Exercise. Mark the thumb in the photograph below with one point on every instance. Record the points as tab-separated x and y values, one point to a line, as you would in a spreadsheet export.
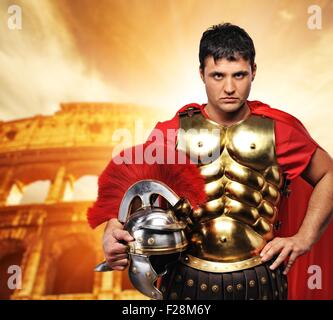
120	234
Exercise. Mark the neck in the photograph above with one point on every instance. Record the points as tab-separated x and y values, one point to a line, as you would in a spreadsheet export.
227	118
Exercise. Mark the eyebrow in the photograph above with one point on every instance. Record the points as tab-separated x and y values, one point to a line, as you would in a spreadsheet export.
218	73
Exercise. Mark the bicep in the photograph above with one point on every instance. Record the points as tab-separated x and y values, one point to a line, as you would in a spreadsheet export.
320	164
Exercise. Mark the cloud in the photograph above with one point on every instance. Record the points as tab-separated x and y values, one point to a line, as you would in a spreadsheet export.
80	50
40	66
286	15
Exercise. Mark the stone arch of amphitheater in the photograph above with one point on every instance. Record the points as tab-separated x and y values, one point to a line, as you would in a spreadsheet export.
50	238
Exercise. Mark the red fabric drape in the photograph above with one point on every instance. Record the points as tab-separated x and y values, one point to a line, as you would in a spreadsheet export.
292	212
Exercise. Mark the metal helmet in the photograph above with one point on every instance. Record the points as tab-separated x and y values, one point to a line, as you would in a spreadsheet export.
159	234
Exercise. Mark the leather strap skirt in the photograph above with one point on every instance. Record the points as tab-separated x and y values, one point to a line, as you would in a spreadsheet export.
258	283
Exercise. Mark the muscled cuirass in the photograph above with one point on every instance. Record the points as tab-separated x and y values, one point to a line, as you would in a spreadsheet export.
243	182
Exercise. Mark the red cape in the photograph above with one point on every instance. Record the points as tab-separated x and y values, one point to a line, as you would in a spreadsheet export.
292	211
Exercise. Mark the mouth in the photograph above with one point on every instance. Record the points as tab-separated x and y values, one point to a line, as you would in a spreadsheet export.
229	99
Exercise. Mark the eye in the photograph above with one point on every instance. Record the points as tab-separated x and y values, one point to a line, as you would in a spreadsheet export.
218	76
239	75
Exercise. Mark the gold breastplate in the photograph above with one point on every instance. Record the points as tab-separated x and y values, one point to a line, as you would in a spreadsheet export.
243	183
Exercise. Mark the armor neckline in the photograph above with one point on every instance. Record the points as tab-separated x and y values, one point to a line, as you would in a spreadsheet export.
206	116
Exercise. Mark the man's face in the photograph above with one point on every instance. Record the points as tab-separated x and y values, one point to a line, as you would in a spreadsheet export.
228	83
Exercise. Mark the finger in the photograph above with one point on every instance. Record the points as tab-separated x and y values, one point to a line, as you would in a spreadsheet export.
115	257
111	226
122	262
274	250
269	245
118	265
119	268
290	262
117	248
282	256
120	234
266	248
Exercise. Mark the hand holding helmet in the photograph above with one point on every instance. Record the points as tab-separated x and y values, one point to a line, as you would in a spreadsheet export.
115	245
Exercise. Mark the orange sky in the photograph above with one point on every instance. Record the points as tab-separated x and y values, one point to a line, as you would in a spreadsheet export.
146	51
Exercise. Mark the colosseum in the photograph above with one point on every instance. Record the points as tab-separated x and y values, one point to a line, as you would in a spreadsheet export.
49	167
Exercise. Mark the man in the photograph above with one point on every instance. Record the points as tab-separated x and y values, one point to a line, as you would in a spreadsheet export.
234	253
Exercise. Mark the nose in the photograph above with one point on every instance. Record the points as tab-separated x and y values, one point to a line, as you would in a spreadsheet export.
229	87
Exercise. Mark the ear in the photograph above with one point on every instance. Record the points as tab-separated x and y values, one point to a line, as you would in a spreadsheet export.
202	76
254	71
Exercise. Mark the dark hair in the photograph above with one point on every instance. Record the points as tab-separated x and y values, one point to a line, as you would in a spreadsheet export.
226	41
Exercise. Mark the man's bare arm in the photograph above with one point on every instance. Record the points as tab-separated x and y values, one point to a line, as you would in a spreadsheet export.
319	213
319	174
